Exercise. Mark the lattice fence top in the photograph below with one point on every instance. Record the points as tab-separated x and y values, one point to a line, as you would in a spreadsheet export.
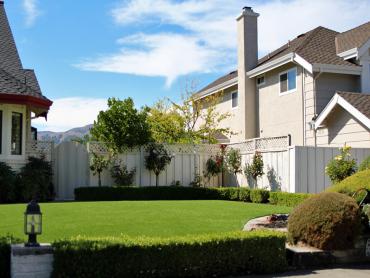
262	144
40	148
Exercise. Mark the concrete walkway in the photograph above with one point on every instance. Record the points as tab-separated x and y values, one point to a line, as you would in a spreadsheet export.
362	271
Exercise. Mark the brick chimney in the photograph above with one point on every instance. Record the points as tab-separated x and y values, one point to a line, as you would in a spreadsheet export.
247	60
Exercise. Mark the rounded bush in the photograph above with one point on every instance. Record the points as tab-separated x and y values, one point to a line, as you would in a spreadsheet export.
329	221
353	183
365	165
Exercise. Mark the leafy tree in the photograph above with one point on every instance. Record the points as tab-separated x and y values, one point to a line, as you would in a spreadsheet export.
255	169
166	124
121	126
121	175
234	161
157	160
97	165
213	167
342	166
7	182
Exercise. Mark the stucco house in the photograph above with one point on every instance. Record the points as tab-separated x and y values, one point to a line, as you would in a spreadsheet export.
315	88
21	101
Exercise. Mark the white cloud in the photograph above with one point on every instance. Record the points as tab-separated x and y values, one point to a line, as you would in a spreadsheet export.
67	113
205	39
32	11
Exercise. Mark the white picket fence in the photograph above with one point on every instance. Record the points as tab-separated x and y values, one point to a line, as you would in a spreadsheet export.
291	169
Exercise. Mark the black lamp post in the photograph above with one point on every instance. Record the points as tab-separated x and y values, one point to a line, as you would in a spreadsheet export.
32	223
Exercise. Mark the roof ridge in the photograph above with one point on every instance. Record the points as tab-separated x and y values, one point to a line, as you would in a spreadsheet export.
350	30
308	38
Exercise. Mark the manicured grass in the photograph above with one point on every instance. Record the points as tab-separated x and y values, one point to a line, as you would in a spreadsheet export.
136	218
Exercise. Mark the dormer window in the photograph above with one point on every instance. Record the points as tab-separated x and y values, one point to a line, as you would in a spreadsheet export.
288	81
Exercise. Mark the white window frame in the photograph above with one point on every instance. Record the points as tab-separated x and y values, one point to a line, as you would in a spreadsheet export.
296	82
264	80
234	92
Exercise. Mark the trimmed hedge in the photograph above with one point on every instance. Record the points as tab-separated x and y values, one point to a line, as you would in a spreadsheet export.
353	183
235	253
5	242
161	193
260	196
328	220
288	199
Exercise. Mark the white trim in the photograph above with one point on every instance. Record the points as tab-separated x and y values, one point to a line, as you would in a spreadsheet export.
296	82
300	61
271	65
222	86
349	54
337	99
353	70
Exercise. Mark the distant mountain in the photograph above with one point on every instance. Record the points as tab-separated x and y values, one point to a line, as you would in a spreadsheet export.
58	137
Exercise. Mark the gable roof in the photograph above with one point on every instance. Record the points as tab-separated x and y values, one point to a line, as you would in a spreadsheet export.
14	80
357	104
354	38
228	78
316	46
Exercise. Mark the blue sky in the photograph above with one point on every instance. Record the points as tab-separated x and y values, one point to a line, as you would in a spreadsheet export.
86	51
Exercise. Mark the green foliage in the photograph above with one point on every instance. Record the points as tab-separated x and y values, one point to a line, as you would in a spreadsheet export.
342	166
157	159
287	199
352	184
35	181
162	193
213	167
121	126
197	181
121	175
365	165
259	196
255	169
97	165
224	254
329	221
5	242
7	183
234	161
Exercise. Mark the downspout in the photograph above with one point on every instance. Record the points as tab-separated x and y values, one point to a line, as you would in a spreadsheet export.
304	107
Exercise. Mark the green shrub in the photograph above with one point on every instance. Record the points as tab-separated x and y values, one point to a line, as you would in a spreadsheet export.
342	166
5	242
121	175
287	199
365	165
255	169
7	183
329	221
233	161
161	193
259	196
353	183
157	159
233	253
35	180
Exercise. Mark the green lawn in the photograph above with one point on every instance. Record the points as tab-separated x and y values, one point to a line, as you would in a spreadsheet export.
149	218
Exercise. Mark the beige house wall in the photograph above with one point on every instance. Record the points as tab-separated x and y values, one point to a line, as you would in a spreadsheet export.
342	128
280	115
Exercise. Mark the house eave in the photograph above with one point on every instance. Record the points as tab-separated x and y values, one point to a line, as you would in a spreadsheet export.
349	54
213	90
328	68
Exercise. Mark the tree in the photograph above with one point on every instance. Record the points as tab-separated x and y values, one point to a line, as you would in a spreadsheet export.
121	126
97	164
234	161
157	160
255	169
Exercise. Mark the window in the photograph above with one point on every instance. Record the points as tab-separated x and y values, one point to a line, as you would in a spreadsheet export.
16	140
288	81
260	80
1	131
234	100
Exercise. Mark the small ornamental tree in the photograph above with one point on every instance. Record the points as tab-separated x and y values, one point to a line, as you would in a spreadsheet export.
121	175
157	159
97	165
342	166
255	169
213	167
234	161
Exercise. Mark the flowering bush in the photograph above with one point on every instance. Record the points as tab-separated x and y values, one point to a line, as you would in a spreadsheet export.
342	166
255	169
234	161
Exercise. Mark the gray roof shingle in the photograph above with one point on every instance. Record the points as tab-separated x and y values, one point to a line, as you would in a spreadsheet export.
353	38
14	80
360	101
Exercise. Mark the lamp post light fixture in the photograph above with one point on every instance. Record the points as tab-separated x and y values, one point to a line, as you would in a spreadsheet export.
32	223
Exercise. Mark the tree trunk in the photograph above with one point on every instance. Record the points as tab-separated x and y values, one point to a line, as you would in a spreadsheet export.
99	176
156	180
